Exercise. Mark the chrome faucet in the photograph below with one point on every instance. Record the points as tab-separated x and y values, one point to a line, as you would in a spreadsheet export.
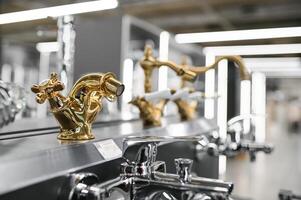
239	141
12	101
288	195
235	143
146	178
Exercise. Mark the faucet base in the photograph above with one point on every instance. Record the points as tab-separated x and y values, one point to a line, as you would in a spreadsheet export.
187	111
71	135
148	124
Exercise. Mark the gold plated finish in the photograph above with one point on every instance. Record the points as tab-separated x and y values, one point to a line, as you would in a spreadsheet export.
149	63
76	112
188	110
150	113
244	74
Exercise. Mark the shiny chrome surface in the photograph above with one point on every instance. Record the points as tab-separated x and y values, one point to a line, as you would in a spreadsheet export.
144	177
235	143
12	101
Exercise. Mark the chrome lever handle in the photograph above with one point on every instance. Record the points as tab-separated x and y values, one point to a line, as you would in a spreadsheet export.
183	168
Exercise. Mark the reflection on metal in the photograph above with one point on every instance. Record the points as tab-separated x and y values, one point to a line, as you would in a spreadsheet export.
151	113
66	41
146	178
12	101
149	63
76	112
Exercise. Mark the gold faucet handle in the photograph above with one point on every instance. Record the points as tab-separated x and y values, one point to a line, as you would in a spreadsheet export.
47	87
180	94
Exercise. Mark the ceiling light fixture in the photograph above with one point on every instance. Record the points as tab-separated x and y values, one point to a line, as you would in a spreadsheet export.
253	34
47	47
269	49
57	11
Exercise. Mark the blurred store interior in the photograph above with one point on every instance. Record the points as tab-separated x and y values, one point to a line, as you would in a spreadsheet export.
246	111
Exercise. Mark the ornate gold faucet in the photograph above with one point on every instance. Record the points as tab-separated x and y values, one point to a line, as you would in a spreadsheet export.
76	112
149	62
188	110
151	113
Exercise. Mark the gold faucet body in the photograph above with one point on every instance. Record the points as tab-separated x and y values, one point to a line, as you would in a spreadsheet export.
150	113
76	112
186	110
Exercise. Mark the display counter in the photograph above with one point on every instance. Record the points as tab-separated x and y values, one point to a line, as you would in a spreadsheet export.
34	163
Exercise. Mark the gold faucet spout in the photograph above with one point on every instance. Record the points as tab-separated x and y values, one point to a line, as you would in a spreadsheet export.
243	71
76	112
188	110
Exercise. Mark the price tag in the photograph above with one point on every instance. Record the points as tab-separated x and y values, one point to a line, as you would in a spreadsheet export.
108	149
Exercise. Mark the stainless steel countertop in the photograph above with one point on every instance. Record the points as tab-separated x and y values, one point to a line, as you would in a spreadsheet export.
28	160
33	126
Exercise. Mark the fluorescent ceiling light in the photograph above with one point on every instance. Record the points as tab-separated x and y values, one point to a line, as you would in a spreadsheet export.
291	63
269	49
57	11
46	47
253	34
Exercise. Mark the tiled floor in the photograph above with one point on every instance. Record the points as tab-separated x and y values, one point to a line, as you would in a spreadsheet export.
262	179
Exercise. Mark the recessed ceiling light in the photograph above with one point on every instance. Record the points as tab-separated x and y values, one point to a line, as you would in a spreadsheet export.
236	35
57	11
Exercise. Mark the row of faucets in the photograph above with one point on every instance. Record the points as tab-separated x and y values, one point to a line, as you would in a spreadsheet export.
143	177
76	112
151	113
